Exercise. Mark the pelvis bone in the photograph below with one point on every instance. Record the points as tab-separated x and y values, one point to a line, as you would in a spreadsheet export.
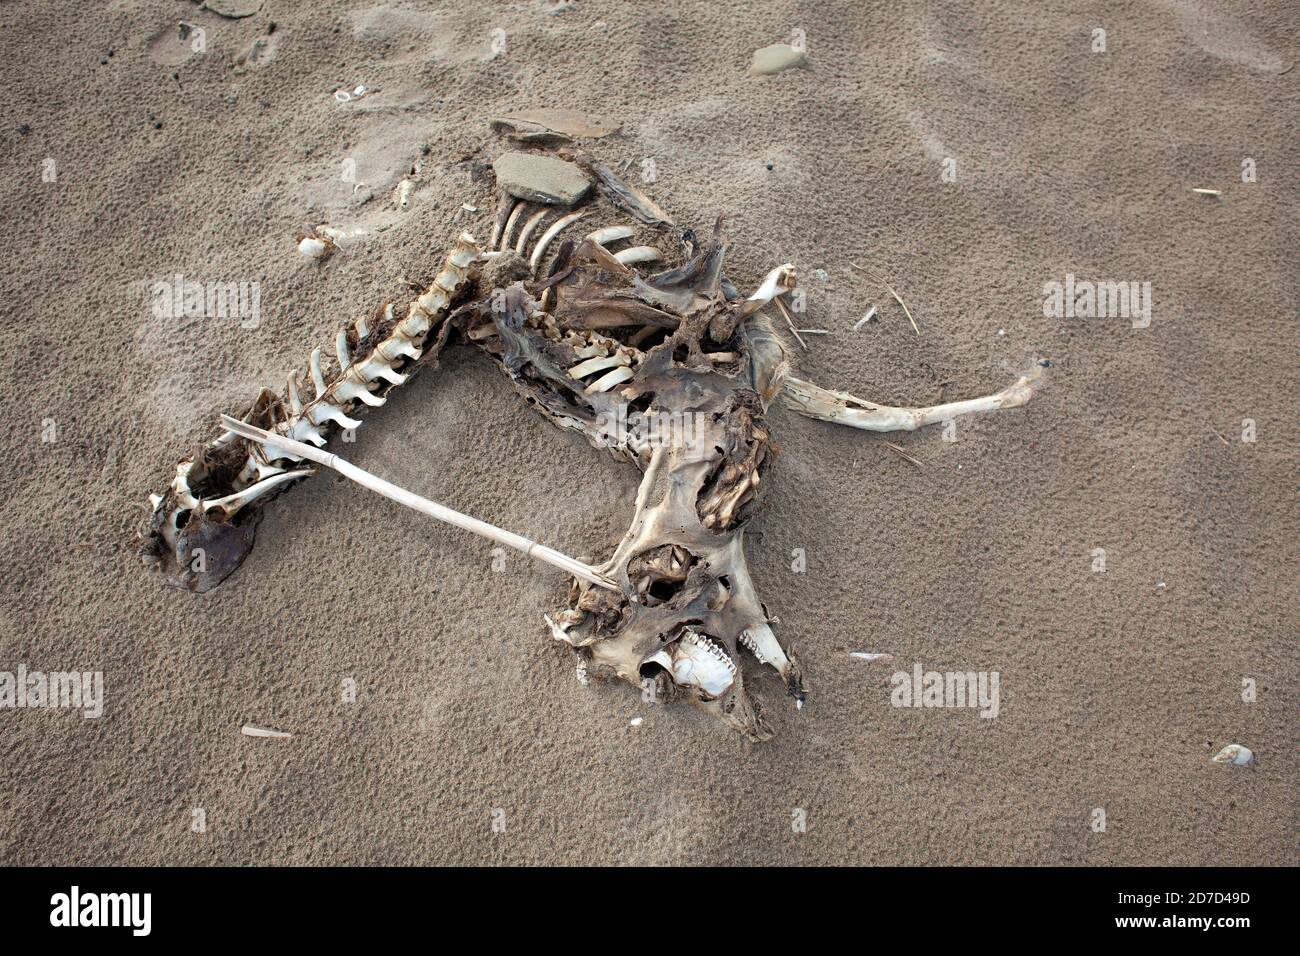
672	371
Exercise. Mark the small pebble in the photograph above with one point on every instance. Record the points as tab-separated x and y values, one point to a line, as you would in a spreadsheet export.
636	721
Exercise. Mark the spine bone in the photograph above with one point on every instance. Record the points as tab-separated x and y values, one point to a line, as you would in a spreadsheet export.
355	382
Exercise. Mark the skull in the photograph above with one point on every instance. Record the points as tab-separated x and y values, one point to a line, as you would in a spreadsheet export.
689	410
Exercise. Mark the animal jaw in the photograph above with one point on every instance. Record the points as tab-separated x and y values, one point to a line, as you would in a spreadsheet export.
672	371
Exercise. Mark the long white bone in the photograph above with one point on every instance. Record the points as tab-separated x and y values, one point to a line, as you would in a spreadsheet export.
232	503
522	242
278	446
556	228
845	409
510	225
497	228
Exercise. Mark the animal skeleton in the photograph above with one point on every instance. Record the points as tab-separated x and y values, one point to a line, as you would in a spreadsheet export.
672	371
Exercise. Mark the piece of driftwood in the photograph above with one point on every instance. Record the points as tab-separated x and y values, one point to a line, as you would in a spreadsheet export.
673	371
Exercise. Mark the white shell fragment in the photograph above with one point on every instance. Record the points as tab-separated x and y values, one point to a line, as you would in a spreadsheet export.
1236	755
635	721
248	730
312	248
867	656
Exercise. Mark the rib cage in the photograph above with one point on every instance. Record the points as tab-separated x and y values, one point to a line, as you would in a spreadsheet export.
206	508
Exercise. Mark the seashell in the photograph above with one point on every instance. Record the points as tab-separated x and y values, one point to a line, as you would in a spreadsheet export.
867	656
1235	754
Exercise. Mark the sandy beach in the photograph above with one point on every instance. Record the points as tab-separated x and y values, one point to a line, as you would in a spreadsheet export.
1121	551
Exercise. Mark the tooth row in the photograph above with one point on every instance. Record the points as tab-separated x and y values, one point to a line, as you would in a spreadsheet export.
705	642
356	382
747	642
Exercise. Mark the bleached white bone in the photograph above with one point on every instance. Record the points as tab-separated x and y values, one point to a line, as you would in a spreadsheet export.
609	380
379	367
403	497
555	229
322	412
845	409
528	228
637	254
317	378
610	234
583	369
699	662
777	282
510	225
496	228
331	402
232	503
295	400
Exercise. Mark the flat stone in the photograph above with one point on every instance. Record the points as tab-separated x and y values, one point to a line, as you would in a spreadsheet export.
541	178
775	58
551	125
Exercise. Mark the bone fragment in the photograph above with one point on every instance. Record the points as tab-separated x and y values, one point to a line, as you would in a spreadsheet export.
248	730
555	229
610	234
279	446
844	409
638	254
